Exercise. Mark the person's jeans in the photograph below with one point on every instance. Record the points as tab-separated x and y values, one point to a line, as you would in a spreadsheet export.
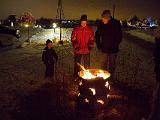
78	59
109	63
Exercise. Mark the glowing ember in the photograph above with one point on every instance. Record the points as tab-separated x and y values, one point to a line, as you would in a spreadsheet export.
86	100
100	101
93	90
80	83
107	85
108	96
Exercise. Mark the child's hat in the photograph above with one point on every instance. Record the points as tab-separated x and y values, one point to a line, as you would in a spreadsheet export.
83	17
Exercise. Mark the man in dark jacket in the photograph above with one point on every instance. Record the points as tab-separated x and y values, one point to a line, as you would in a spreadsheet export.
157	52
49	57
82	41
155	107
108	37
157	59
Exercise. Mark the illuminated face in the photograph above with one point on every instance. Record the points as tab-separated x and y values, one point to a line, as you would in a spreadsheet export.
105	20
84	23
49	45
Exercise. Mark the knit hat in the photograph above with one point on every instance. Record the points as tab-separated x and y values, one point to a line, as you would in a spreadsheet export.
48	41
106	13
83	18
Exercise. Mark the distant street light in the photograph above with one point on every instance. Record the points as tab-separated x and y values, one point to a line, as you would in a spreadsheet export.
12	24
54	26
27	26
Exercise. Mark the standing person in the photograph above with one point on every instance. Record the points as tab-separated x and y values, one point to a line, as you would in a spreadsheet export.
155	105
157	52
49	57
155	108
82	39
108	37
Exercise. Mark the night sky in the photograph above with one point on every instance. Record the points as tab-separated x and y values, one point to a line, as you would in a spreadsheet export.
125	9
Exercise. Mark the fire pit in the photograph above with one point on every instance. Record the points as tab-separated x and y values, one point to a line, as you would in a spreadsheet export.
93	88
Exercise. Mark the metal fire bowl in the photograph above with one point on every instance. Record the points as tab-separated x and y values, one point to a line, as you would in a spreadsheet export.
97	83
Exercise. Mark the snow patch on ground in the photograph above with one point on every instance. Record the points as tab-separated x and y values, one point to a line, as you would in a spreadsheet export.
22	70
142	35
41	37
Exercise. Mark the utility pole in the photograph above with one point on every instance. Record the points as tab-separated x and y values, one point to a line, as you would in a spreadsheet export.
60	16
114	9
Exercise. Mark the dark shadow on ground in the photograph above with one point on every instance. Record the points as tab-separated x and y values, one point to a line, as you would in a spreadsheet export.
39	105
46	104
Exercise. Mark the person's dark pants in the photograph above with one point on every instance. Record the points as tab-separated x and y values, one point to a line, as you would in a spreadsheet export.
109	63
78	59
155	105
157	71
157	58
49	70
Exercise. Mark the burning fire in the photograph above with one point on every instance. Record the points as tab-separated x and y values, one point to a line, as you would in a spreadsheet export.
90	80
88	74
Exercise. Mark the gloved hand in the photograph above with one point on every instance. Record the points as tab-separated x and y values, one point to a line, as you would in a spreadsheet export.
89	48
99	47
90	45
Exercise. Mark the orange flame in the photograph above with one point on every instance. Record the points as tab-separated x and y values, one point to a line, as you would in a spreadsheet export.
87	74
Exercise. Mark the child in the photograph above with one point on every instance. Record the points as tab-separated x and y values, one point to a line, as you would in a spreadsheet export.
49	57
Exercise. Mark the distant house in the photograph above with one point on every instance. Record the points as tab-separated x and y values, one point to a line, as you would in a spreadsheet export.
10	20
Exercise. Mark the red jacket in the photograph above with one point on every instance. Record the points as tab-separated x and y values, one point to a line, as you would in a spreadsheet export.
82	39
